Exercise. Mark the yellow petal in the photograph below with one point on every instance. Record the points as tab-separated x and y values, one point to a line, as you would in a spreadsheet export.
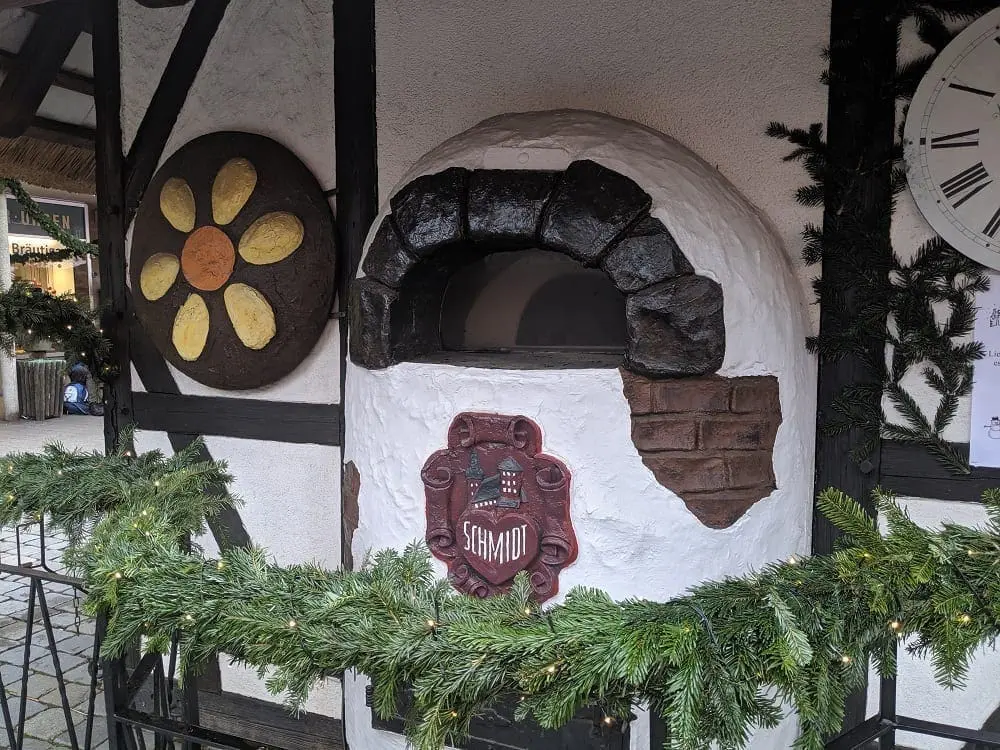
158	275
177	204
232	188
251	314
191	328
271	238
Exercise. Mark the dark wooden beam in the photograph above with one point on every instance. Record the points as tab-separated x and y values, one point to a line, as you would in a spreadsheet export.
247	418
14	4
227	527
171	93
268	723
356	157
51	7
62	133
65	79
910	470
110	214
860	132
39	61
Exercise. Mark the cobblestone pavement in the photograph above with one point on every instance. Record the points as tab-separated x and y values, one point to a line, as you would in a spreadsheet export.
45	724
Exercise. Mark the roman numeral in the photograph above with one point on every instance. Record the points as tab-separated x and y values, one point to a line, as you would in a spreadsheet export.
994	225
966	183
971	90
956	140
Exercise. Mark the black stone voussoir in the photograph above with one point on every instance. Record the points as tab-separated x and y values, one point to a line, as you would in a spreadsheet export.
590	209
388	260
430	211
676	328
507	205
371	330
647	255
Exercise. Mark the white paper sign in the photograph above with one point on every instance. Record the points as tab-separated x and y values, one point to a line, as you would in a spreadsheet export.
984	437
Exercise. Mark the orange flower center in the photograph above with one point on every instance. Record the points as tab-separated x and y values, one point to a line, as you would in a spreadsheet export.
208	258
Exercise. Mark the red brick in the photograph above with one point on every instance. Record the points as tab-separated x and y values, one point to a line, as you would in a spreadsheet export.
659	433
730	432
747	470
719	510
757	395
687	472
637	392
691	394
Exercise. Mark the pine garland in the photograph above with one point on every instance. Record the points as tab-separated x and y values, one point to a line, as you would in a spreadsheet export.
897	302
717	662
27	312
72	247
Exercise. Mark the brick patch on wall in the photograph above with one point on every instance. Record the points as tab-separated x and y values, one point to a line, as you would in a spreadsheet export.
708	439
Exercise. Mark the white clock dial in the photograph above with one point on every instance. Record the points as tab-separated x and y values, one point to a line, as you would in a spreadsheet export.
952	142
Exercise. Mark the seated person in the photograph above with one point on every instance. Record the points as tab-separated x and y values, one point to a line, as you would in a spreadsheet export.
75	396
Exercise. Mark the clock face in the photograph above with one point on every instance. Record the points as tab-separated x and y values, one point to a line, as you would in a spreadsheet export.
952	142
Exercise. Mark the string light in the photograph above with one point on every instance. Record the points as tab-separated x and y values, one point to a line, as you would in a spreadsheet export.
292	624
792	560
895	625
527	611
454	714
10	498
220	565
69	328
551	669
845	659
117	575
965	619
189	618
431	624
609	720
59	472
156	483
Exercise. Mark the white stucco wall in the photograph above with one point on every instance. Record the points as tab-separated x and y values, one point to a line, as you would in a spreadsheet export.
711	73
279	84
636	538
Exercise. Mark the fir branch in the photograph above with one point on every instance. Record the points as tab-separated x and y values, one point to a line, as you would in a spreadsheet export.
717	662
28	313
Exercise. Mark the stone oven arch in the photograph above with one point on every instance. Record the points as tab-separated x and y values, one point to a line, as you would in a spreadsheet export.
440	223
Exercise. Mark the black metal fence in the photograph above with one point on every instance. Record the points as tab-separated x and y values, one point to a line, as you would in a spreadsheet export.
54	655
880	730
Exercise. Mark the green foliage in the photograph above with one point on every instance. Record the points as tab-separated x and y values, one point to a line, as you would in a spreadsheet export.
27	312
73	247
717	662
898	301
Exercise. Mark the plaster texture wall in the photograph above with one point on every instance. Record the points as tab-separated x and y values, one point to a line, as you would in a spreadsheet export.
636	538
711	73
279	84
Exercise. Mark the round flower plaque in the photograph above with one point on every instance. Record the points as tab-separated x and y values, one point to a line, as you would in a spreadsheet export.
233	261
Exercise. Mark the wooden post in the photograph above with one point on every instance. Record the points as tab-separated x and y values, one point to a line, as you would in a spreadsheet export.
111	224
8	364
357	181
860	134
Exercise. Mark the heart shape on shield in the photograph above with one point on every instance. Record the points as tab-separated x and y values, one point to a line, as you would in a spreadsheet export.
498	544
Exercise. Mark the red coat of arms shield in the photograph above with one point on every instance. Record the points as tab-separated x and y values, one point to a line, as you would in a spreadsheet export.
496	505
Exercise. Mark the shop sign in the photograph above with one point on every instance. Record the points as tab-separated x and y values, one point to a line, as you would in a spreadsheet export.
70	217
496	506
984	437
